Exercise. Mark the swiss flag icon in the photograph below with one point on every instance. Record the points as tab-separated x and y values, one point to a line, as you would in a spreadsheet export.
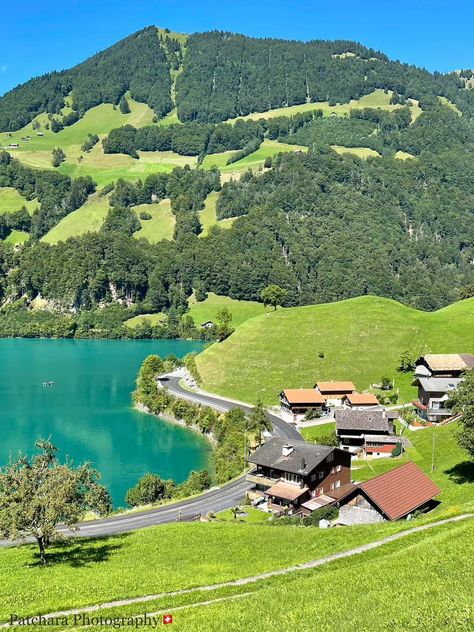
168	618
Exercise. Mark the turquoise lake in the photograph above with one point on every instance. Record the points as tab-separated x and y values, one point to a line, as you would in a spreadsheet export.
88	412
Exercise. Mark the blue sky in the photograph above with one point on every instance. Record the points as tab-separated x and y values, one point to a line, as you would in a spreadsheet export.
38	37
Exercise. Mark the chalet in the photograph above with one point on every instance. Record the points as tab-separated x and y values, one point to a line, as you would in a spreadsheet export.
366	432
13	146
334	392
444	364
291	475
359	401
209	324
298	401
433	395
39	134
390	496
437	375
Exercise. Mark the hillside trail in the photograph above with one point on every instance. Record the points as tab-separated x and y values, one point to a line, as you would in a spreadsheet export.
258	577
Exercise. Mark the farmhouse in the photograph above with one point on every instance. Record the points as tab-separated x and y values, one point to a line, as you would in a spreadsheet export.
299	400
209	324
334	392
444	364
366	432
390	496
292	475
437	375
360	401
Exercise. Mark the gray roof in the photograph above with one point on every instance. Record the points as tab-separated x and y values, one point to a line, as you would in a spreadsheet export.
382	438
438	384
363	420
270	455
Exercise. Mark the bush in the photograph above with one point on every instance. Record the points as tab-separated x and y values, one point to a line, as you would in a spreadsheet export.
58	157
144	215
149	489
325	513
397	450
312	413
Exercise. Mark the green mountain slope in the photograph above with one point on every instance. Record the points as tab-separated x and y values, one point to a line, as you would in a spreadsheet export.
360	339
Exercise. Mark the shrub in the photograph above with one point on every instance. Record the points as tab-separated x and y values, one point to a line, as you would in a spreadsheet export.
325	513
144	215
397	450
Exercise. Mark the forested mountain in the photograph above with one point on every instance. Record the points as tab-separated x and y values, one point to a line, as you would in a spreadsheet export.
323	226
223	75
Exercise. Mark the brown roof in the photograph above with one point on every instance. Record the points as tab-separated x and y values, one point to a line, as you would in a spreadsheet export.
448	361
336	387
342	491
362	399
401	490
287	491
303	396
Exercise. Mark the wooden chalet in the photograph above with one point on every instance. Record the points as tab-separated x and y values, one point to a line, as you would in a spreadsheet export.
290	475
299	400
366	432
444	364
391	496
335	392
359	401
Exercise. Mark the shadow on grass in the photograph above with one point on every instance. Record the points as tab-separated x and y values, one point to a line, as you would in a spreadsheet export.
81	553
462	472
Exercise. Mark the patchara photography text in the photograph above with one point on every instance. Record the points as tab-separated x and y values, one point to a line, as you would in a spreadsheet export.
84	619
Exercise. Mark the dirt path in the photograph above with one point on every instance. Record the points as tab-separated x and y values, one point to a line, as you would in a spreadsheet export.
261	576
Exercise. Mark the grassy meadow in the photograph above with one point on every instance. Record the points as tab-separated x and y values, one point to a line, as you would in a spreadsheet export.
86	219
11	201
361	339
376	99
208	217
241	310
360	152
160	226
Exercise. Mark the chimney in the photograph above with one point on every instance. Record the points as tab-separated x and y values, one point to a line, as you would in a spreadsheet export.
287	449
303	464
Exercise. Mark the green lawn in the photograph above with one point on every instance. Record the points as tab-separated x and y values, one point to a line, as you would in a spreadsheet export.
253	515
423	582
403	155
240	310
361	339
161	558
208	217
11	201
377	99
314	433
360	152
87	218
162	222
450	105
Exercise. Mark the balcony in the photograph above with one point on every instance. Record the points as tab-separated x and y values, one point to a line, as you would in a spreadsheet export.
259	479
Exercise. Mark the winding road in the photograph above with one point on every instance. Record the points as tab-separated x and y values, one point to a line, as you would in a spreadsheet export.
213	500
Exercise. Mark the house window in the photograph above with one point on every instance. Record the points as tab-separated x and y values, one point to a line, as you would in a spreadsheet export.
313	477
338	468
293	478
321	476
337	484
331	486
330	457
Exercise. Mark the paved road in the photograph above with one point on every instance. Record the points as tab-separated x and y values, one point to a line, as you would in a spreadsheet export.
214	500
280	427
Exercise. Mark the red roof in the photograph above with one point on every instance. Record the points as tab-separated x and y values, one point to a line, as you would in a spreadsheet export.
336	387
303	396
401	490
362	399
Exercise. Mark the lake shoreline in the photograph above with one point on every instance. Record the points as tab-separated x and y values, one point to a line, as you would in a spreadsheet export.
173	420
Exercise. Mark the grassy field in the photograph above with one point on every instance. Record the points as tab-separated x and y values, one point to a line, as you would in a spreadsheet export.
208	217
17	237
403	155
360	152
267	149
377	99
11	201
361	339
314	433
451	105
240	310
87	218
161	224
155	319
252	515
